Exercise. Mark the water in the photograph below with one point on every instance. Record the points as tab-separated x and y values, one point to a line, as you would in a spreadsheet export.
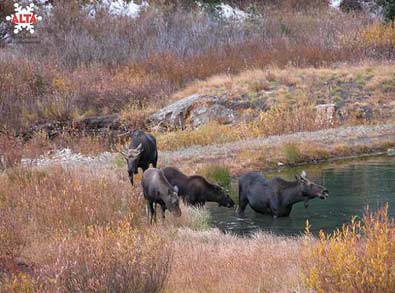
353	185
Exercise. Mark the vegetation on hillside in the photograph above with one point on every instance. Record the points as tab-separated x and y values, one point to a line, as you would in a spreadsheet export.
89	66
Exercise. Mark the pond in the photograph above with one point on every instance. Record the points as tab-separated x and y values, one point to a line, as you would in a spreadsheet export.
353	185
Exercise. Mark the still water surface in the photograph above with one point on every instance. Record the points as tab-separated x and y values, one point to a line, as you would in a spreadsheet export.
353	185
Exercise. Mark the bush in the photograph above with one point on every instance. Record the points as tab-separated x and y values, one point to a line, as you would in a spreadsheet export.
218	174
45	201
292	153
356	258
122	259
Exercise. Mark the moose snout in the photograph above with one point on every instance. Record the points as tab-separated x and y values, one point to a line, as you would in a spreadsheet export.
324	194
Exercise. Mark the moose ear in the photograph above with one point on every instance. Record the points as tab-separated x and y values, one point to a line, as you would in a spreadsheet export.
175	188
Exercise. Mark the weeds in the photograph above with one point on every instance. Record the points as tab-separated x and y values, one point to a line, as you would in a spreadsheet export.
292	153
218	174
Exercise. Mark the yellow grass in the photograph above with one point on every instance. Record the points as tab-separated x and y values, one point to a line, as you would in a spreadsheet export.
211	261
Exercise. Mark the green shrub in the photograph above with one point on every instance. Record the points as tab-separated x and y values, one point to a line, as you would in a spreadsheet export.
292	153
218	174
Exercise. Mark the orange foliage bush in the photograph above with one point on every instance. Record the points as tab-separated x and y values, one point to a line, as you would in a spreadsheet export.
359	257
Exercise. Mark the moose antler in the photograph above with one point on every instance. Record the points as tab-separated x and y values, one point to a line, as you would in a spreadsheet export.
123	152
133	153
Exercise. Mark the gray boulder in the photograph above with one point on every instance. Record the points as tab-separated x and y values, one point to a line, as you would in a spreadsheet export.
174	115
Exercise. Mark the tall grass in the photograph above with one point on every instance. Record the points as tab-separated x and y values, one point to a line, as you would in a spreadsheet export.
75	231
227	263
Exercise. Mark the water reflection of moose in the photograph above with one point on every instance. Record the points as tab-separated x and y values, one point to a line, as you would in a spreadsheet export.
164	186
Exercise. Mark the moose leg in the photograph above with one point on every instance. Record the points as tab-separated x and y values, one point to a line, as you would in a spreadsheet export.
163	209
243	202
155	160
150	211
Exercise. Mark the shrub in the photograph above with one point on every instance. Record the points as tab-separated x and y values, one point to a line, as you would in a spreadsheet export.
292	153
120	259
51	200
356	258
218	174
379	37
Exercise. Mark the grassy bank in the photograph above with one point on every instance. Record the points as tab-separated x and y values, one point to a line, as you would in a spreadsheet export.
73	230
362	94
267	153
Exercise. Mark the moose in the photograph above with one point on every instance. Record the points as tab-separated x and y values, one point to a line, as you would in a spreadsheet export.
141	152
277	196
196	190
157	190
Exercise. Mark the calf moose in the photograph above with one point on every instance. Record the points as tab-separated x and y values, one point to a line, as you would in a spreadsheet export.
196	190
157	190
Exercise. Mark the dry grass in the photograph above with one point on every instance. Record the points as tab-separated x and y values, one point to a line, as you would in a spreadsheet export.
211	261
77	231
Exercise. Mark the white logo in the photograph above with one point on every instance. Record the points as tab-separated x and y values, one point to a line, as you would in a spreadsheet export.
24	18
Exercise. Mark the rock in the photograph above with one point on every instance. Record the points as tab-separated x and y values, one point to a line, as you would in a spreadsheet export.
174	115
391	152
194	111
325	114
204	114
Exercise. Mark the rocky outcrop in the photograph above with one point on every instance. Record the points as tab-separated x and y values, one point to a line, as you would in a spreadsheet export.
174	115
204	114
195	111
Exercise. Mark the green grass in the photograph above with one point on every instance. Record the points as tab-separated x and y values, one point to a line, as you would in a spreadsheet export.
218	174
292	153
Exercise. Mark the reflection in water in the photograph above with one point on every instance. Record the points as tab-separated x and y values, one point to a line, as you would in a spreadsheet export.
353	185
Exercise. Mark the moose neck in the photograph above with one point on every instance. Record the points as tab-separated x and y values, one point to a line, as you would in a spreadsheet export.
292	194
212	197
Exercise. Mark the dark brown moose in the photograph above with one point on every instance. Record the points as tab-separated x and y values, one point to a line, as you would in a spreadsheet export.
157	190
141	152
277	196
196	190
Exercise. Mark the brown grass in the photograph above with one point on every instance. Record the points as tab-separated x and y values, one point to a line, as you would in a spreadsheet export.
77	230
214	262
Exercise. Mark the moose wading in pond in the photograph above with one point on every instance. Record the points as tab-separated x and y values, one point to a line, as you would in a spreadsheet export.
157	190
141	152
277	196
196	190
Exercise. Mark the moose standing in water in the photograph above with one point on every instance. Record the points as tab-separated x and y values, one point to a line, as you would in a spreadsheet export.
157	190
196	190
277	196
141	152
